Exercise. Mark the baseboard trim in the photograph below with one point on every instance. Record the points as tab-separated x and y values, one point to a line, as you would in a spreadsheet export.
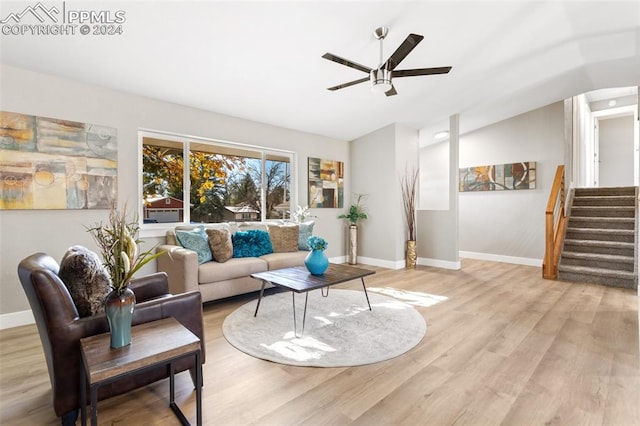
16	319
389	264
438	263
526	261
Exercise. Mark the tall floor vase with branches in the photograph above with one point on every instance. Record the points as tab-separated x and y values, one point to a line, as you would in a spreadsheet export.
409	186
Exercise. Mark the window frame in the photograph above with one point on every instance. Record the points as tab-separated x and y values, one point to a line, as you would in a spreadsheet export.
159	229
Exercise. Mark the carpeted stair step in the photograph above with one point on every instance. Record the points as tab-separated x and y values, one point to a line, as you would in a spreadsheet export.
599	247
602	222
594	260
613	191
602	211
597	276
613	200
621	235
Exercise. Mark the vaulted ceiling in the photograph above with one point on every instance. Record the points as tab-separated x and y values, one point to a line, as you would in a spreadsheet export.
262	60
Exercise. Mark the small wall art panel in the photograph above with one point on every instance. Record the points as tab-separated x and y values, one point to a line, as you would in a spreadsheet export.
326	183
498	177
47	163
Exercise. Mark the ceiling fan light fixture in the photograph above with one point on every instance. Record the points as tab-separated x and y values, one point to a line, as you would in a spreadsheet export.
380	80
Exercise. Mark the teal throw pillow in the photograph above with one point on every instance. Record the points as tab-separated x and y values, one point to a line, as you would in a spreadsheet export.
251	243
197	241
305	231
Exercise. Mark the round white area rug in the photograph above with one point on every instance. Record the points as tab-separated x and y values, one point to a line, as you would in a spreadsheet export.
340	331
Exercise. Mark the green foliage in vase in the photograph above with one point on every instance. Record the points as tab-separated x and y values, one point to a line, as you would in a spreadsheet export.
356	211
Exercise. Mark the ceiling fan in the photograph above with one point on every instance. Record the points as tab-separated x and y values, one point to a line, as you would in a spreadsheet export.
381	77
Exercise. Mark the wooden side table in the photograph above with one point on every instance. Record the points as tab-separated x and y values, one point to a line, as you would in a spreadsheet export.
154	343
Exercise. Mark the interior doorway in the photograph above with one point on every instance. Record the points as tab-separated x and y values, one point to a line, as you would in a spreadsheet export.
606	141
615	146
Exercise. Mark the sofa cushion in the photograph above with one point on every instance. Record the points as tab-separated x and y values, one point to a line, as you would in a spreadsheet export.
196	240
87	280
213	272
305	231
220	244
251	243
284	260
284	238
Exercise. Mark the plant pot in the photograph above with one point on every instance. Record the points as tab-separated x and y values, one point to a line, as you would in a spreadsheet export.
118	307
353	244
316	262
411	255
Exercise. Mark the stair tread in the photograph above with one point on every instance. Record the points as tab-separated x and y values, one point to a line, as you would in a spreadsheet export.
609	196
596	256
596	271
602	218
598	243
603	230
603	207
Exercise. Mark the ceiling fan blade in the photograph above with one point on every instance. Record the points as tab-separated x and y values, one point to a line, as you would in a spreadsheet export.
403	50
346	62
421	71
351	83
391	91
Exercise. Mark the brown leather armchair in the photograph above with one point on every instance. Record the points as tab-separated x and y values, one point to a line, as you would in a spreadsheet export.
61	329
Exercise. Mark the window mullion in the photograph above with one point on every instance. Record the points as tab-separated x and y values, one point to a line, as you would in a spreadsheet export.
186	176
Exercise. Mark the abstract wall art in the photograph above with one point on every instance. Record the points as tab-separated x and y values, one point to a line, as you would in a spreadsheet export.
326	183
498	177
48	163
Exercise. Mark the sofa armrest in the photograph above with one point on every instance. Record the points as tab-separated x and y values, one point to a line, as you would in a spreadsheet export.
181	266
150	286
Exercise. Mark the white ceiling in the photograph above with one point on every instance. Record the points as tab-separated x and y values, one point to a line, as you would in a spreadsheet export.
262	60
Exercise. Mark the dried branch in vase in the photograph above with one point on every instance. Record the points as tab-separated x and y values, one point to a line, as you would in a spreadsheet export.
409	187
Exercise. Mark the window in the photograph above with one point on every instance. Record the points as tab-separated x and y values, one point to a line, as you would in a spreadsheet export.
220	182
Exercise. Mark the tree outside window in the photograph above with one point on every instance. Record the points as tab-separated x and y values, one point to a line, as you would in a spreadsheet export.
226	183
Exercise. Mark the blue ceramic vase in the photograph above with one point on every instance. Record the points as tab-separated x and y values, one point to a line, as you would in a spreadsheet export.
119	309
316	262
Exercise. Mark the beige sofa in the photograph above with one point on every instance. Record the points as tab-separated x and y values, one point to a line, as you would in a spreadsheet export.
217	280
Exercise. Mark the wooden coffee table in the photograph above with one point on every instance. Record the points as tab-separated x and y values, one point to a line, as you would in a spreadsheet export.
299	280
153	343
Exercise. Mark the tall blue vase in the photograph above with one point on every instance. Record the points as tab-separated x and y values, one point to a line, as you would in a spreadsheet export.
316	262
119	309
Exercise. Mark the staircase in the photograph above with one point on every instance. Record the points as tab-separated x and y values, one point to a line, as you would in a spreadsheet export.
601	240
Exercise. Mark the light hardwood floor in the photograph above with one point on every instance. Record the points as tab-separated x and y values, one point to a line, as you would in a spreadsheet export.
503	346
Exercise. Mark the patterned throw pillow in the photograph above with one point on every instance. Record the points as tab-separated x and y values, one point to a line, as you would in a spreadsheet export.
284	238
306	230
86	279
251	243
220	244
196	240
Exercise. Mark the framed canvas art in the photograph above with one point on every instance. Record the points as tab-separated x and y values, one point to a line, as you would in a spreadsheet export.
48	163
498	177
326	183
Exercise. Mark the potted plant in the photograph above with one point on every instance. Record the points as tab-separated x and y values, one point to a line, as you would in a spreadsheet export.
409	186
356	212
118	242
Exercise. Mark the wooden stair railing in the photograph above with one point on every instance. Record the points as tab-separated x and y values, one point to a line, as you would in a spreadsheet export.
555	224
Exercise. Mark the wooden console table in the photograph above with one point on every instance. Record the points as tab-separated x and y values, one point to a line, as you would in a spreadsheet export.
154	343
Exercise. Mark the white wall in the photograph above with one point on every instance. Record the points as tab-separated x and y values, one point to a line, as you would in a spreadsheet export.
53	231
510	224
438	229
378	161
